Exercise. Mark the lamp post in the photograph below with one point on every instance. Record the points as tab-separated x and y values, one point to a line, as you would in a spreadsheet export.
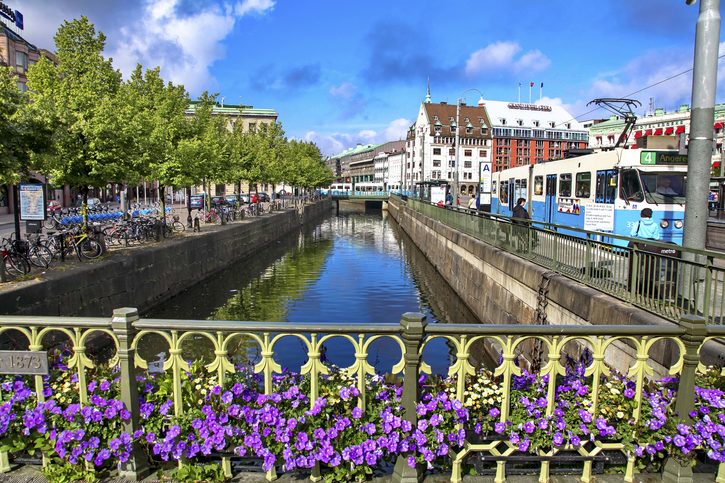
457	142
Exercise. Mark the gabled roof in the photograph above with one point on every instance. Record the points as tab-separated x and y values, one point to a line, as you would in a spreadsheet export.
444	114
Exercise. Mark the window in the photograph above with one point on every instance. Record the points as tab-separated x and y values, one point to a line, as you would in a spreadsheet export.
606	186
437	129
436	163
482	153
452	152
468	153
467	164
502	121
503	195
252	126
484	131
469	130
436	150
22	87
583	185
493	186
21	62
538	185
630	188
451	163
565	185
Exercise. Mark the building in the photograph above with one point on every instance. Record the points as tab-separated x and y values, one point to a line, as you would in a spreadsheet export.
249	116
395	163
525	134
357	161
382	165
431	149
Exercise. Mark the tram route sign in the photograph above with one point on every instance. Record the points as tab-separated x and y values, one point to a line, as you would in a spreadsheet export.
24	362
662	157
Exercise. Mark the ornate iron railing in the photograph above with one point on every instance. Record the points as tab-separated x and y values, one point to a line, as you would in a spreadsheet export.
126	330
666	279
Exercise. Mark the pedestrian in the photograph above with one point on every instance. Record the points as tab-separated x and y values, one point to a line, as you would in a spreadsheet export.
645	227
520	211
449	198
472	203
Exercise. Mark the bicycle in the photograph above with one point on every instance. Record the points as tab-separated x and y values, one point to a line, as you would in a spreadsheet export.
14	263
84	245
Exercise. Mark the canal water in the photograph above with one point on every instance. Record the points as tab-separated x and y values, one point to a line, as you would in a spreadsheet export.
353	268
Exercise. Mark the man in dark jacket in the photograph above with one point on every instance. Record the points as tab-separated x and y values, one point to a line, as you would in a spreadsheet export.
520	217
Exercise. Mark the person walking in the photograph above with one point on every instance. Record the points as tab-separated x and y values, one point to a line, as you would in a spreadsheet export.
521	218
472	203
645	227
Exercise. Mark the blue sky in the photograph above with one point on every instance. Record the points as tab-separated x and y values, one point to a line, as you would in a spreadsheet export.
341	72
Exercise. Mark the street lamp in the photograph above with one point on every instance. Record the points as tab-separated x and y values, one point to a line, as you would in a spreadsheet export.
457	141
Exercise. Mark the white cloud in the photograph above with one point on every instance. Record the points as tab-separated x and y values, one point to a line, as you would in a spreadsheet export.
185	46
334	143
345	90
504	57
254	6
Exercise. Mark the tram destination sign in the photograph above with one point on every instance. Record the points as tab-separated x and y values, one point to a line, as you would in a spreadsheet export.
662	157
24	362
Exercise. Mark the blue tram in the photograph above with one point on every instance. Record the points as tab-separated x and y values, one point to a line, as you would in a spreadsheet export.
602	192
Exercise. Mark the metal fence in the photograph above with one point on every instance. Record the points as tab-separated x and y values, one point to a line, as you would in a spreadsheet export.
666	279
126	330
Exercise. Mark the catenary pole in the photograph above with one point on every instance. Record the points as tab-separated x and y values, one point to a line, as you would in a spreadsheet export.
702	116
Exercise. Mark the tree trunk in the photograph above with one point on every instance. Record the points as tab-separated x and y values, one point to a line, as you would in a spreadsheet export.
84	207
162	195
188	206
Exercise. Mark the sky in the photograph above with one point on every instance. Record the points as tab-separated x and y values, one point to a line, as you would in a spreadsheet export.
342	72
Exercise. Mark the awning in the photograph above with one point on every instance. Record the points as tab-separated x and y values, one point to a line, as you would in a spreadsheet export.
648	132
637	134
680	129
669	130
658	131
718	125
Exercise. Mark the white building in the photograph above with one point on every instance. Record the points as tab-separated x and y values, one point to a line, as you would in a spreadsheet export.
431	150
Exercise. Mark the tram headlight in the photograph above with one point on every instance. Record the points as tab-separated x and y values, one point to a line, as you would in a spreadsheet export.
678	224
664	223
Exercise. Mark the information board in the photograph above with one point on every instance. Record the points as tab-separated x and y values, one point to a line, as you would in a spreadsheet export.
24	362
485	177
599	217
437	194
32	201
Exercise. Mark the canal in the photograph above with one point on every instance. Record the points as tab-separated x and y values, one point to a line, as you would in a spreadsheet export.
356	267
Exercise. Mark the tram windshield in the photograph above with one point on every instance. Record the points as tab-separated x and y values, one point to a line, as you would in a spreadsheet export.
664	187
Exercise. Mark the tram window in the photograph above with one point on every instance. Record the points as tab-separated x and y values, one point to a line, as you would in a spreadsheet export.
606	186
565	185
630	188
503	195
538	185
493	186
583	185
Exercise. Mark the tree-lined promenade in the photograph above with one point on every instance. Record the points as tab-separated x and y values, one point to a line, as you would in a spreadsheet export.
82	125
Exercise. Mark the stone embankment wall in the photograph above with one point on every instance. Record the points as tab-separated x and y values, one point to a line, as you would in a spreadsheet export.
501	288
148	275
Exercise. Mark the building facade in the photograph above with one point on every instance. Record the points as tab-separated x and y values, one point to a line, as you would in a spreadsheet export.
431	145
382	169
525	134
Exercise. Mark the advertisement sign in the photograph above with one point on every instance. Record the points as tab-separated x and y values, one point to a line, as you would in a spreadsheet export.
32	201
599	217
12	15
484	199
437	194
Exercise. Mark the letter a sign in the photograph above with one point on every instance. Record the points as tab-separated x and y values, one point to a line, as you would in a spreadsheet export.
485	177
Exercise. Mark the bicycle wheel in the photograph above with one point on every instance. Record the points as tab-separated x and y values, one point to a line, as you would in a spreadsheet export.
40	256
15	265
178	226
90	249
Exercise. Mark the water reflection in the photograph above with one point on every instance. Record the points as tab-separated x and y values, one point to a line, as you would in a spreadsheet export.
350	269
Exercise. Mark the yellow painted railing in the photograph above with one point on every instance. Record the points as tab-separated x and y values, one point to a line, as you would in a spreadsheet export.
126	331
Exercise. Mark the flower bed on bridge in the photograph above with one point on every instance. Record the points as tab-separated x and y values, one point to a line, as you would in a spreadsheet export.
347	438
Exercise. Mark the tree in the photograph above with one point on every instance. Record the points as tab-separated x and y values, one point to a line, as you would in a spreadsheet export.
21	135
269	147
92	140
307	165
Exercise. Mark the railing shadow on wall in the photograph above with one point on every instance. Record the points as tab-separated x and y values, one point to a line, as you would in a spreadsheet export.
570	407
666	279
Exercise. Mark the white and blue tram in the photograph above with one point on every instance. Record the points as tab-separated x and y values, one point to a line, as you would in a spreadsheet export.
602	191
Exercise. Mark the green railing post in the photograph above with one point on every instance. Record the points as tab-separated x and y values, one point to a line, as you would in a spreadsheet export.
695	333
136	468
412	327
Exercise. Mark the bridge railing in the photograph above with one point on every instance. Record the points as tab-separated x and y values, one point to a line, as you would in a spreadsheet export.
504	385
663	278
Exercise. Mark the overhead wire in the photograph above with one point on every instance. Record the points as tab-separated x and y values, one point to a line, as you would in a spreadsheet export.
638	91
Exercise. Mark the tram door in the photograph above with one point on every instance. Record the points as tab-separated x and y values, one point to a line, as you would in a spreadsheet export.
512	194
550	204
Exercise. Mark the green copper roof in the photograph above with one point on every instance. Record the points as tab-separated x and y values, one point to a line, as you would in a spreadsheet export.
236	109
360	148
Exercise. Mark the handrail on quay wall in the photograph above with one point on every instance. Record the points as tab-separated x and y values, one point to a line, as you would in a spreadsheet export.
127	330
645	273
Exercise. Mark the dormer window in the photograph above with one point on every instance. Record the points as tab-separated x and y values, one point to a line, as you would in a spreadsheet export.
502	121
520	122
536	123
568	125
551	124
435	118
